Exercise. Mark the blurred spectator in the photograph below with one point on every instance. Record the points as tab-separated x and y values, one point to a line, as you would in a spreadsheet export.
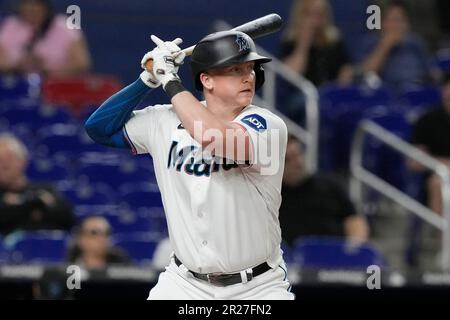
432	134
36	40
395	54
52	285
315	205
312	45
25	205
93	248
443	13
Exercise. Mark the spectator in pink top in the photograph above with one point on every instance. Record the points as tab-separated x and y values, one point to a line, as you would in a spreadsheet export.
36	40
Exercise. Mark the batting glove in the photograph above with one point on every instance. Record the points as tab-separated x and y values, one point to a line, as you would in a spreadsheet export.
149	79
167	58
147	76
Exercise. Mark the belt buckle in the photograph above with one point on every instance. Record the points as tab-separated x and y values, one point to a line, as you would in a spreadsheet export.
218	279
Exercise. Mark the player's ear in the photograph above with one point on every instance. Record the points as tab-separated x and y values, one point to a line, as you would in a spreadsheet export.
206	80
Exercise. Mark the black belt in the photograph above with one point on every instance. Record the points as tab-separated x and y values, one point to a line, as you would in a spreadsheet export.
227	279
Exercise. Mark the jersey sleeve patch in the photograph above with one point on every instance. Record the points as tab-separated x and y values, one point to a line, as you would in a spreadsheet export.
255	121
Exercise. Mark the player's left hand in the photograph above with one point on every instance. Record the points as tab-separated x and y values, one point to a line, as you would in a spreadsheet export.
167	58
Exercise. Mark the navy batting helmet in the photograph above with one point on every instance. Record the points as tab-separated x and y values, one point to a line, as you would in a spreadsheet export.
223	49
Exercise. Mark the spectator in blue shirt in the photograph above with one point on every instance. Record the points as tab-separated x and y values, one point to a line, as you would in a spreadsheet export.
398	56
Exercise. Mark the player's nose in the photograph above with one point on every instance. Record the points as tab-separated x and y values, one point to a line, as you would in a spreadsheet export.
249	76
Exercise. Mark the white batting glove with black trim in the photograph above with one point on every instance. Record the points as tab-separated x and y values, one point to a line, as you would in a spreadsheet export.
147	76
149	79
167	58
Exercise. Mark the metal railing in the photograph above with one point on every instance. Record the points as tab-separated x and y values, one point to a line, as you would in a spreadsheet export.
360	176
308	135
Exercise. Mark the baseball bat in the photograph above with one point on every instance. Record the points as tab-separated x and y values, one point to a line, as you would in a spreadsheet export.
256	28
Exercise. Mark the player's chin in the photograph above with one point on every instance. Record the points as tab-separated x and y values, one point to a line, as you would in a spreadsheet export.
245	98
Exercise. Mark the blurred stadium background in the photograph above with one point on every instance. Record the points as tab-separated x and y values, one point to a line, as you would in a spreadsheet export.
48	114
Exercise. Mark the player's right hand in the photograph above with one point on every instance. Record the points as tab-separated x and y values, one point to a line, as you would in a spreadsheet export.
149	79
147	75
169	48
167	57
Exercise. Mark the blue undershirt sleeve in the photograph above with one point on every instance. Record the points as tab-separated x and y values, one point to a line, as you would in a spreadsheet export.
105	125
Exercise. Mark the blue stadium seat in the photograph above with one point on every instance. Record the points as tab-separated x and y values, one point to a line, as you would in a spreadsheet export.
139	246
13	115
415	101
443	59
60	139
123	219
39	247
53	115
384	161
131	222
113	169
420	96
89	194
138	195
157	218
14	87
335	99
341	109
101	209
334	254
109	174
3	252
287	252
45	169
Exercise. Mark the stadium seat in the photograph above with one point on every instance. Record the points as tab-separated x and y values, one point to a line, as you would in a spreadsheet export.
89	194
287	252
113	169
109	174
415	101
52	115
341	109
3	252
140	195
334	254
421	96
126	222
123	219
443	59
79	92
381	159
13	115
335	99
45	169
60	139
13	87
39	247
139	246
157	217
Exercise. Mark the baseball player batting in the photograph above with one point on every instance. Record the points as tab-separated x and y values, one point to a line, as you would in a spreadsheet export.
220	199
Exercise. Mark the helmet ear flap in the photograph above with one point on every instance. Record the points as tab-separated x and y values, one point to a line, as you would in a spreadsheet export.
259	75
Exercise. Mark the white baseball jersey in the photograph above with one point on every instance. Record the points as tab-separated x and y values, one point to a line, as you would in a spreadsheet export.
221	217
